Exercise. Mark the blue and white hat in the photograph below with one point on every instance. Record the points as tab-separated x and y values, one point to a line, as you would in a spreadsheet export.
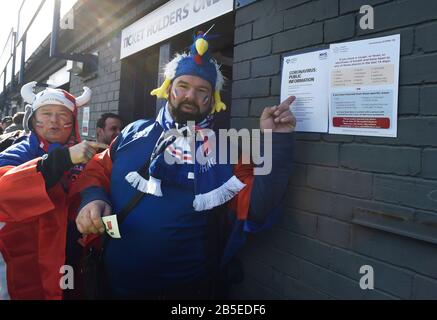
196	63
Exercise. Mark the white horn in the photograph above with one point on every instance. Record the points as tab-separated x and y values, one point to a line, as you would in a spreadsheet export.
27	92
84	98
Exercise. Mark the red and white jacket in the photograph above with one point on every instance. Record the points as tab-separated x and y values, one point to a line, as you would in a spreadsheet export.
33	226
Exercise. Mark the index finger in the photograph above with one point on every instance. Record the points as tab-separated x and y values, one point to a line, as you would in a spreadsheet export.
97	145
284	106
286	103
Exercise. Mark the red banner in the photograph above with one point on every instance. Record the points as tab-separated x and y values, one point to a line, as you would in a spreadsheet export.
349	122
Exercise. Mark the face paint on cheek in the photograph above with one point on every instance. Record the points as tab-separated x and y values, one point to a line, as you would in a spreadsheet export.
39	124
175	93
68	125
205	100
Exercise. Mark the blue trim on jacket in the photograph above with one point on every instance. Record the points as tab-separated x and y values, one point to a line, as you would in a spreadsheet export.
24	149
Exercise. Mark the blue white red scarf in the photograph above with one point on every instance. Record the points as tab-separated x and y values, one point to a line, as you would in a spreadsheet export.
214	183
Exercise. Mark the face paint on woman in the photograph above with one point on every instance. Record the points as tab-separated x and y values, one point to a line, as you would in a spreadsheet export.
38	123
68	125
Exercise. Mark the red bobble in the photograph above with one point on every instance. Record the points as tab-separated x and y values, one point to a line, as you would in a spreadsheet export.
198	59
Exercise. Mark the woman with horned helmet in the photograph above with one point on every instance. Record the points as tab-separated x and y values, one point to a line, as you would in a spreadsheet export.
35	175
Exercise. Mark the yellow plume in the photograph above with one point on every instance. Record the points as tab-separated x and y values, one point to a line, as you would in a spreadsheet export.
161	92
219	105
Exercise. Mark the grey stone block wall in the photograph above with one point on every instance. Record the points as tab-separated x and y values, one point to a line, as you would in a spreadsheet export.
105	85
352	200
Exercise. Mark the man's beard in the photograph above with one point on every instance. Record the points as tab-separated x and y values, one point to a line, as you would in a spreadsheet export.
183	117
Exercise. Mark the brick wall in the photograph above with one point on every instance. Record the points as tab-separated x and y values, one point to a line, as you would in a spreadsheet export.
105	86
353	200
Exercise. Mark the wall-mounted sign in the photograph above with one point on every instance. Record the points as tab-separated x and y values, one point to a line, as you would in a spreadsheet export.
357	82
86	121
174	17
363	90
305	76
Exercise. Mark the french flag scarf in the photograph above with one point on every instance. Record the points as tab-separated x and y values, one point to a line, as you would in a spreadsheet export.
173	161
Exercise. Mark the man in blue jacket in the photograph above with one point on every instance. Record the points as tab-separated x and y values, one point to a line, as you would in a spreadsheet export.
177	240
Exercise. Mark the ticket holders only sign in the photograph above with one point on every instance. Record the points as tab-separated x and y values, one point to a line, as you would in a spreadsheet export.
172	18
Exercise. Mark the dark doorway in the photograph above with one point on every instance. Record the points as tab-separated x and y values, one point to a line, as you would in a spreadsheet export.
139	74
